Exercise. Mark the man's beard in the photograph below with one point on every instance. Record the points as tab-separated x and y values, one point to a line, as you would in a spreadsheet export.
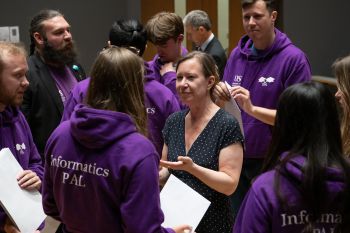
64	56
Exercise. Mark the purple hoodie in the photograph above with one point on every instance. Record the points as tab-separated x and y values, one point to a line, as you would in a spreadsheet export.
160	103
16	135
169	78
101	175
265	75
269	216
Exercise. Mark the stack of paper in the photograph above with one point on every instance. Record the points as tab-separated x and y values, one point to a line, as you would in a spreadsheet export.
23	207
232	108
181	204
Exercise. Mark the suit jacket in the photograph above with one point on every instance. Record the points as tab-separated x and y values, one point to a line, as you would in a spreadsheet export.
42	104
215	49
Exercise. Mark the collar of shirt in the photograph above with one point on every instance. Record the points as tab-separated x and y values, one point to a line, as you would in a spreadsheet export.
205	44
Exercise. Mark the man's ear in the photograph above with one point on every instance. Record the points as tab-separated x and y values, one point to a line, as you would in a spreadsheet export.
39	39
274	16
201	29
180	38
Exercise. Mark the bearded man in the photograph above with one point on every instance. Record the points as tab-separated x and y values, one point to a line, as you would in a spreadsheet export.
52	74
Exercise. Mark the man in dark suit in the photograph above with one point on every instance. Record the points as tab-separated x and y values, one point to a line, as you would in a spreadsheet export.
198	30
52	74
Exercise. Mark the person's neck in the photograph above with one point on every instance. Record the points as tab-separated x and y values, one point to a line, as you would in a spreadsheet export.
197	112
266	43
179	56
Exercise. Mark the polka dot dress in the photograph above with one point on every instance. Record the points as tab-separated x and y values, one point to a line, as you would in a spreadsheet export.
222	130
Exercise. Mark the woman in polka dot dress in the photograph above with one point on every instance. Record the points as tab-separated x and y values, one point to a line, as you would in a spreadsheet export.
203	144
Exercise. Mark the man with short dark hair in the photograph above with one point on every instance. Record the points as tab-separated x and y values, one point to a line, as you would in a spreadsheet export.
52	74
198	30
259	69
14	130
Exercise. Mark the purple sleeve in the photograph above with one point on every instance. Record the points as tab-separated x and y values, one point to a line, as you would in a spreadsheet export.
249	221
76	96
173	105
49	203
169	80
71	102
300	72
35	163
142	202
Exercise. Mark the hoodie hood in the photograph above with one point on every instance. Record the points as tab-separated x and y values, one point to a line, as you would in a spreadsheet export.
8	118
149	73
334	177
95	128
9	115
281	41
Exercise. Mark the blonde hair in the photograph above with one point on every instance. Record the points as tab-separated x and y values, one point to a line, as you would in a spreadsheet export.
341	68
7	48
117	84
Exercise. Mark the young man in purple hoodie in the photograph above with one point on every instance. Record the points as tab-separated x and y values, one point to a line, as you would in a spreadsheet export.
160	102
305	186
14	131
101	172
263	64
166	31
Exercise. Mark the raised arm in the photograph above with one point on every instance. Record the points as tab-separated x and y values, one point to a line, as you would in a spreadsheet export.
225	180
242	96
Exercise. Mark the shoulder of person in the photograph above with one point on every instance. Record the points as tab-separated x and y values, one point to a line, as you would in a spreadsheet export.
173	118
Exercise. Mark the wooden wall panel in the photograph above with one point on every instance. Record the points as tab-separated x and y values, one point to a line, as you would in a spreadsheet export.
236	30
148	9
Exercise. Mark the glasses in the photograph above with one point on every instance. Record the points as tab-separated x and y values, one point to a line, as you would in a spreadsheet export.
130	48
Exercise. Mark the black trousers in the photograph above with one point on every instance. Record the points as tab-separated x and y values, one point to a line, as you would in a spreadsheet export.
251	168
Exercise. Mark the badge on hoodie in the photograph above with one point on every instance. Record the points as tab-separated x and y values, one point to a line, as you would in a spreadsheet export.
266	81
21	148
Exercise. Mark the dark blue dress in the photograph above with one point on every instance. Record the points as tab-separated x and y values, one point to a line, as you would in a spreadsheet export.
221	131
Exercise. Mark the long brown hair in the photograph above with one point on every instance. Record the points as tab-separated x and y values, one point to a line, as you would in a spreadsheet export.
117	84
341	69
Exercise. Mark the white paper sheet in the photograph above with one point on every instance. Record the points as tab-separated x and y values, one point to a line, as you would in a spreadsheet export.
22	206
232	108
181	204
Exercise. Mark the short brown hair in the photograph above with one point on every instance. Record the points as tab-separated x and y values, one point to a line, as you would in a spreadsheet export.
164	26
270	4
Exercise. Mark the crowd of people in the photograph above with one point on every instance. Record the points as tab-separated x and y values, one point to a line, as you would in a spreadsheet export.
99	147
